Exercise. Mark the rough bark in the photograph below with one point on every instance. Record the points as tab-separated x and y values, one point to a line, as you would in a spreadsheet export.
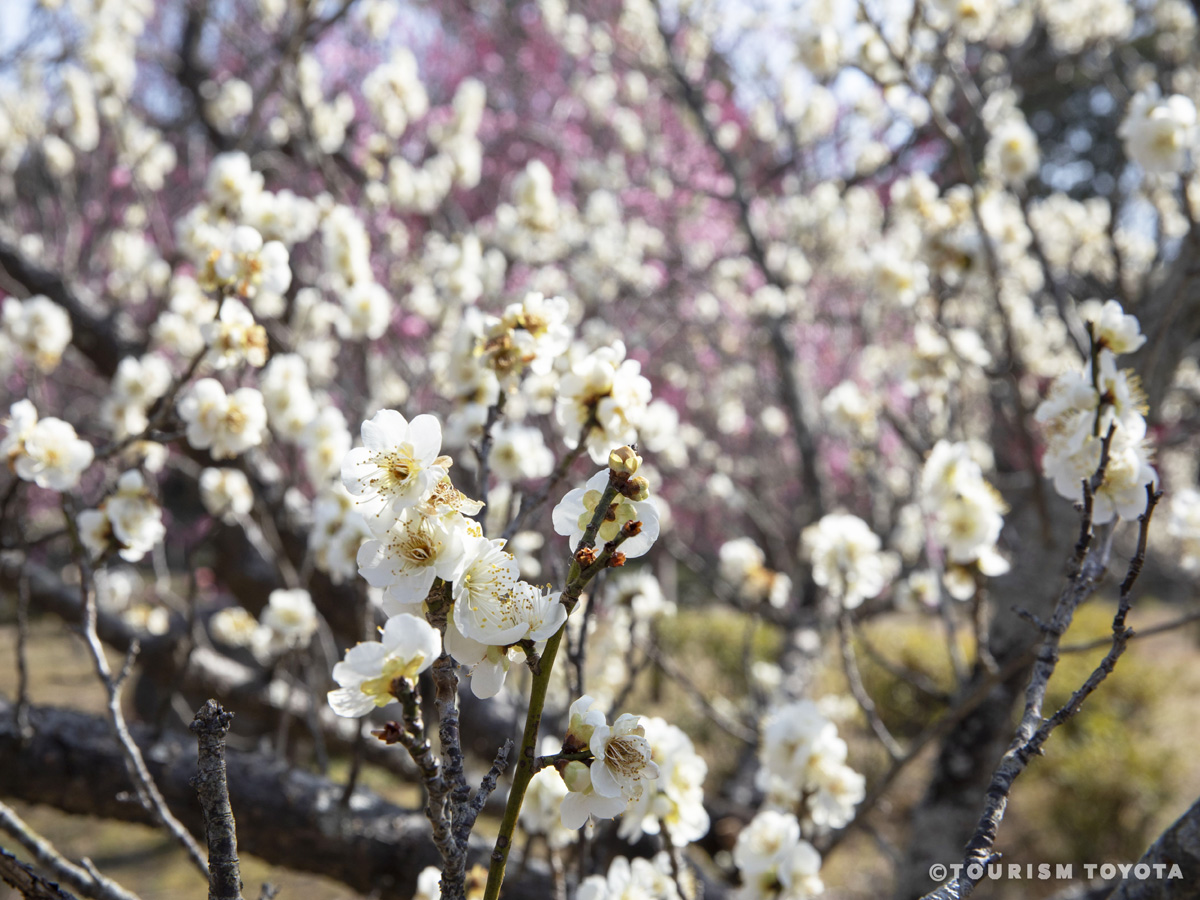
1178	845
285	816
96	337
210	727
949	810
1170	315
29	883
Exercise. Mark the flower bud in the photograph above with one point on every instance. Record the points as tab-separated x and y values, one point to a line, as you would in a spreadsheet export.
636	488
624	460
577	776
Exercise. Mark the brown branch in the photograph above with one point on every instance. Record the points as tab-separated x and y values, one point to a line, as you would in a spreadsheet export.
87	881
147	791
29	883
1087	568
1173	861
210	726
859	690
75	764
96	338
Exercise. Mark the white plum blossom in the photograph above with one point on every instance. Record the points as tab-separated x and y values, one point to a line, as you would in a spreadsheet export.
519	453
627	879
1078	412
233	626
337	534
674	802
483	635
846	559
326	441
609	388
582	800
801	758
429	884
286	395
540	326
1112	329
967	515
623	762
39	327
741	562
1183	524
575	512
407	556
536	615
540	812
47	452
1158	132
136	384
241	264
234	337
226	425
397	465
406	648
487	575
289	622
774	861
1012	151
226	493
231	181
366	309
134	517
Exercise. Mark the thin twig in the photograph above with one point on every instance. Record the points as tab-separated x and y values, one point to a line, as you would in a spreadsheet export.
1088	567
483	451
687	683
27	882
87	881
859	691
147	790
530	503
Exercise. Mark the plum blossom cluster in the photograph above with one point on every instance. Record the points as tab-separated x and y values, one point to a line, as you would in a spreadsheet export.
1159	132
129	520
742	563
652	879
38	328
421	534
616	776
774	861
673	803
802	766
287	622
1081	408
966	515
46	451
846	559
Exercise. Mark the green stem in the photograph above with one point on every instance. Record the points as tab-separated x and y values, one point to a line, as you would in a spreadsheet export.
527	761
525	768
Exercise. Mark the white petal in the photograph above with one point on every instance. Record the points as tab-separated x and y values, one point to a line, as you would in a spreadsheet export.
488	677
463	649
363	661
566	515
603	782
606	807
410	588
425	434
384	431
350	702
574	810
